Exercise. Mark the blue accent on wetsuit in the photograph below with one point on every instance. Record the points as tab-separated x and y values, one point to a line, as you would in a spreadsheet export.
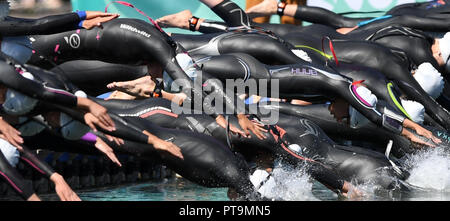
372	20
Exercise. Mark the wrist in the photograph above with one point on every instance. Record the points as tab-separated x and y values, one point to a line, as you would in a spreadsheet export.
55	177
193	23
281	6
241	116
82	15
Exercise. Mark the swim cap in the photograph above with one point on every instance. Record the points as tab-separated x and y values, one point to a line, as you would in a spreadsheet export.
430	79
366	96
302	54
444	46
4	9
187	64
415	110
72	129
17	103
30	128
18	48
369	99
10	152
263	183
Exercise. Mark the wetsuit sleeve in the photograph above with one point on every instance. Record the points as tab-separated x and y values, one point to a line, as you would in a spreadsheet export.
43	26
232	14
12	79
31	159
13	178
209	26
322	16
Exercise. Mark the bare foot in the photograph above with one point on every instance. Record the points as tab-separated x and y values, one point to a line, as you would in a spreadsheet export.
346	30
120	96
178	20
300	102
142	87
267	7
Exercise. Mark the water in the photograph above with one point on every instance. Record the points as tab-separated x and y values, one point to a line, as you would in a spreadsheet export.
430	175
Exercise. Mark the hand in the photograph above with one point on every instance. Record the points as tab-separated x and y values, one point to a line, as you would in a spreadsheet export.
10	134
164	146
97	22
415	139
421	131
267	7
351	192
63	190
428	134
96	14
92	121
96	18
101	113
107	150
255	127
234	130
116	140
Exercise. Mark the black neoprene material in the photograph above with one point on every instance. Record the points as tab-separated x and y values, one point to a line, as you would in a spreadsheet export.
10	78
12	26
14	179
149	45
41	166
232	14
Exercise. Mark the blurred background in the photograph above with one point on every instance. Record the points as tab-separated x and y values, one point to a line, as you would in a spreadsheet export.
39	8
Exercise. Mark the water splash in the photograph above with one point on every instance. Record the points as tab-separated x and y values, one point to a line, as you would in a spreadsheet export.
289	184
430	169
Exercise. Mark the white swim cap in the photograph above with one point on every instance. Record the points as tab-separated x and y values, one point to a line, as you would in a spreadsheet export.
444	46
415	110
187	64
430	79
72	129
80	94
366	96
302	54
264	184
17	103
4	9
10	152
18	48
29	128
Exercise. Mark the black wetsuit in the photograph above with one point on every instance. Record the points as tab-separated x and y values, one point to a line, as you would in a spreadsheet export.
93	76
149	45
430	16
18	183
317	150
12	26
395	66
297	81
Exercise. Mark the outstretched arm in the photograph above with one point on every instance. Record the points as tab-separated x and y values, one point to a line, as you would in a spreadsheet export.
63	190
53	24
306	13
231	13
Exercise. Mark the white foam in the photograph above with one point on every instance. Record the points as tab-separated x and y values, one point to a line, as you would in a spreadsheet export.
430	169
288	184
